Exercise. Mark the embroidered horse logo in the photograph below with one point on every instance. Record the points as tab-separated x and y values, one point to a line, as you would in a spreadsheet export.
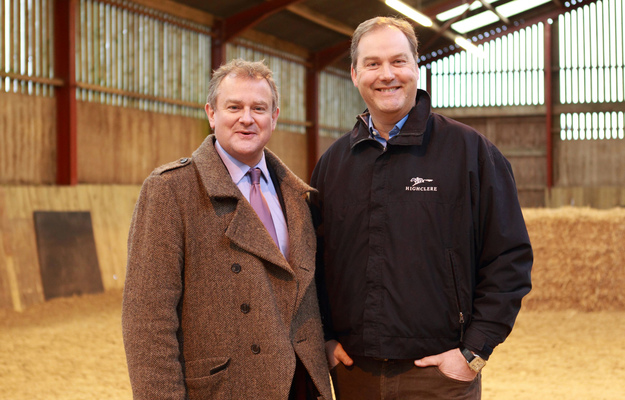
418	181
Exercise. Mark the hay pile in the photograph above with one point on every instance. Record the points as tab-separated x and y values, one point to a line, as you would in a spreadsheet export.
579	259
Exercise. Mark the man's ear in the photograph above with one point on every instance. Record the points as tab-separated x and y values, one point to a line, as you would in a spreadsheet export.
353	73
274	118
210	113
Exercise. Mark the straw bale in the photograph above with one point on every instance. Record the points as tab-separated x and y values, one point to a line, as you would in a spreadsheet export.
579	260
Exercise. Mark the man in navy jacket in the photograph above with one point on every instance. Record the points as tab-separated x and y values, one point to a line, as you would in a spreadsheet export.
424	254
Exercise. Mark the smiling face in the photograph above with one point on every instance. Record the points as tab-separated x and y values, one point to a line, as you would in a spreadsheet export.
242	118
386	74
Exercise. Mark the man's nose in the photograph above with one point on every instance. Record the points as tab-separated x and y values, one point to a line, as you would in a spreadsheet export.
246	116
387	72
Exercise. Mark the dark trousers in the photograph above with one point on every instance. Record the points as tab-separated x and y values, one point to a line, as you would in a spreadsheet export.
374	379
302	387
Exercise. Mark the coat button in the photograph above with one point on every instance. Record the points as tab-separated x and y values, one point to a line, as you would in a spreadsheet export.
184	160
255	349
236	268
245	308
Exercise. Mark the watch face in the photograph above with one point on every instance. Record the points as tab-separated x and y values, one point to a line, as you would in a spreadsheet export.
477	364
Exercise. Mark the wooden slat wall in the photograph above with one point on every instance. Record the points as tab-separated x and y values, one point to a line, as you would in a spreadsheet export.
600	197
139	57
339	103
111	209
27	139
289	74
590	163
522	140
26	45
291	148
123	145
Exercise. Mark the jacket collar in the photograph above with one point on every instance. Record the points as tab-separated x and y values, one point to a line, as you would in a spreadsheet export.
413	130
245	229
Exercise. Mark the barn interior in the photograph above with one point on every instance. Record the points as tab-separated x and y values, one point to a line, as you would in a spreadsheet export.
95	94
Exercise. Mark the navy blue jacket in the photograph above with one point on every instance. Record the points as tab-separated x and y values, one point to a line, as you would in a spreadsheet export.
423	245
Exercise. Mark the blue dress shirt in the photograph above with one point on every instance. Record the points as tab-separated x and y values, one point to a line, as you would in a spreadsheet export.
394	132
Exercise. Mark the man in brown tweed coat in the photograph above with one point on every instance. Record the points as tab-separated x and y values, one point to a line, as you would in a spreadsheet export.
214	308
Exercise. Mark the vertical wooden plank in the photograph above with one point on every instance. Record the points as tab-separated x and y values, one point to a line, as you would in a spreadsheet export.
46	67
108	49
2	39
125	58
37	43
150	46
15	43
23	32
312	115
133	57
549	104
119	55
166	59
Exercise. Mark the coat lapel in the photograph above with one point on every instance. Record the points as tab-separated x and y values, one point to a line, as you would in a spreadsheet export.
245	229
302	240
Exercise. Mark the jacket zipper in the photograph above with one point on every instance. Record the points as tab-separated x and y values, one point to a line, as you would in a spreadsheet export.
460	313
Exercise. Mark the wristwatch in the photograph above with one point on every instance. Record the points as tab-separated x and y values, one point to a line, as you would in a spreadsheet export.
476	363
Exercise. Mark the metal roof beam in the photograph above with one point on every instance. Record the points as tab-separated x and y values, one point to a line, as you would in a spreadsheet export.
235	24
492	9
320	19
442	6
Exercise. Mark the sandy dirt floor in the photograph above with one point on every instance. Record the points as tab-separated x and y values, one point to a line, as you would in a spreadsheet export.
71	349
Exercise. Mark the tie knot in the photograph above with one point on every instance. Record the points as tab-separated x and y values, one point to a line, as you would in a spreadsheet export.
255	175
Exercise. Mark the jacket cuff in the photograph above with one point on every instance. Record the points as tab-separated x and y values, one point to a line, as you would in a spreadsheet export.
478	343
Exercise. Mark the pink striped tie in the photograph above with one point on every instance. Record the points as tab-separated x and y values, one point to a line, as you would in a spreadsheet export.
259	204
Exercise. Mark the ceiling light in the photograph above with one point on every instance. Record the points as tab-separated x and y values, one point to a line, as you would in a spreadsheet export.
488	17
452	13
518	6
475	22
410	12
456	11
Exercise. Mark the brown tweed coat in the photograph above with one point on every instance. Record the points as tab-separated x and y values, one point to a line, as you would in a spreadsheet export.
212	310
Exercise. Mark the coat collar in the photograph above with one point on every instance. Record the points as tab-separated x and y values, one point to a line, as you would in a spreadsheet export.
245	229
413	130
211	171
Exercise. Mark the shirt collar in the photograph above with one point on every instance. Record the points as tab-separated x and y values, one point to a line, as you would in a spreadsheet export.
394	132
236	168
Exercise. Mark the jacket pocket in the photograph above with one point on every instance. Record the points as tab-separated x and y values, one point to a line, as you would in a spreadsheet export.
208	378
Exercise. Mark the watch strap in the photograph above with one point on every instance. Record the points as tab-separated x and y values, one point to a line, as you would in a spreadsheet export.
468	354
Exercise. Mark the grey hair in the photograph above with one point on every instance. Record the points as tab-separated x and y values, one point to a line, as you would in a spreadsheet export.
245	69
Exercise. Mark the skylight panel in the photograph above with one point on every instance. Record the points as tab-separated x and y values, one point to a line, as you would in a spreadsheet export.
518	6
454	12
475	22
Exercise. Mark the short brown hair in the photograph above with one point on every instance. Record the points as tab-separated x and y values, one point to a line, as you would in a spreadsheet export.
379	22
244	69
